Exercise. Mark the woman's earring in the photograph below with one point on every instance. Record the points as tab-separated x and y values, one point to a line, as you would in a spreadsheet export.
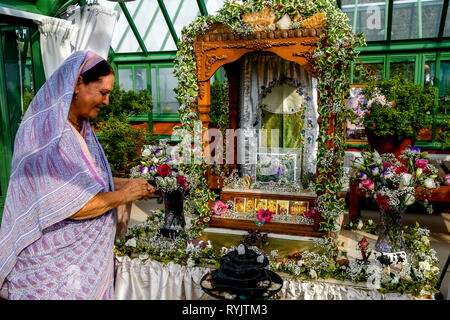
75	96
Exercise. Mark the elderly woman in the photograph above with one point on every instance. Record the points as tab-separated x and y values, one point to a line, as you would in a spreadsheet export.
59	222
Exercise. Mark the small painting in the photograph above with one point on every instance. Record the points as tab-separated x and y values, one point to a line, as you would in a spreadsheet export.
356	132
272	205
282	207
261	204
249	205
298	208
239	204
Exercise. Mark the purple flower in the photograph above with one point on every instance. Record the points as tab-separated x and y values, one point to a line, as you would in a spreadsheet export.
143	169
280	171
157	151
362	175
152	168
413	148
271	183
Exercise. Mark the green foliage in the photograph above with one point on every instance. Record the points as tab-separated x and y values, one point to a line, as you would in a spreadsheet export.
409	113
219	103
125	103
27	98
122	144
444	133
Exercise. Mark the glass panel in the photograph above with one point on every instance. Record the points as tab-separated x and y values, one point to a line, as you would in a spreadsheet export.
154	90
370	17
447	24
140	79
167	82
444	87
403	69
152	26
213	6
123	39
377	69
415	19
126	79
182	14
429	73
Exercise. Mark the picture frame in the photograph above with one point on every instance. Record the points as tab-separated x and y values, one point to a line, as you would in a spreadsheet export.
282	207
275	164
249	205
272	205
298	208
355	134
260	204
239	204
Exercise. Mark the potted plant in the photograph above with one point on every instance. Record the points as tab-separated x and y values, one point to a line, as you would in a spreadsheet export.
394	113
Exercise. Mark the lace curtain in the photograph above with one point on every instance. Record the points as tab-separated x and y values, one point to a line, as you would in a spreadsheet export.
260	71
87	28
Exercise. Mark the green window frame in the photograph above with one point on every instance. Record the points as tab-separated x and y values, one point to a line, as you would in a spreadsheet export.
158	115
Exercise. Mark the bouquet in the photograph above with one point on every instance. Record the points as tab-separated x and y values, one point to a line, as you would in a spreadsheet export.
160	165
394	184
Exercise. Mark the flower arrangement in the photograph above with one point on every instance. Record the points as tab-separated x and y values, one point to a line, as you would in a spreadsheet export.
263	216
394	184
396	108
161	167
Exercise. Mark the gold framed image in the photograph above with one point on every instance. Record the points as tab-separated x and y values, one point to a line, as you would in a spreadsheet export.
239	204
355	134
298	208
249	205
260	204
282	207
272	205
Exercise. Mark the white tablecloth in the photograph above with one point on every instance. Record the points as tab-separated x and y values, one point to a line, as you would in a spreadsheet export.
152	280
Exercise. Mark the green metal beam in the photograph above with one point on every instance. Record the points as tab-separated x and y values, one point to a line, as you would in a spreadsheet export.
414	45
169	23
38	66
132	57
155	14
443	20
202	7
133	26
389	24
174	20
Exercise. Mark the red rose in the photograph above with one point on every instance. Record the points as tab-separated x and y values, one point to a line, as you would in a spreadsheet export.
164	170
184	183
381	201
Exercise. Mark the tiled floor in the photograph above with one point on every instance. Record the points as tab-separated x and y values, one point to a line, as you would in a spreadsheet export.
438	223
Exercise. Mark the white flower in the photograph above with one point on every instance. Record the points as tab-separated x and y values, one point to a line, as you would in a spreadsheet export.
370	221
375	171
377	158
190	262
409	199
429	183
146	152
405	180
131	243
155	160
313	273
424	265
360	225
419	172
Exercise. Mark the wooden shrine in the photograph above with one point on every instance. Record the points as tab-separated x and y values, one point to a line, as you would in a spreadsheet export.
220	47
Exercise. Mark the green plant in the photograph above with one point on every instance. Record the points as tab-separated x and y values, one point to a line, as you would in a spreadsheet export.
219	104
122	144
123	102
397	108
444	133
27	98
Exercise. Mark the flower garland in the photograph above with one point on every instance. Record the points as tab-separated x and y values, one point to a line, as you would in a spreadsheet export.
335	52
419	276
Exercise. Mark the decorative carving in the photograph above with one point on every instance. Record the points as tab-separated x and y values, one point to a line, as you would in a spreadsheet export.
201	90
310	43
259	44
304	54
211	59
316	21
260	20
209	47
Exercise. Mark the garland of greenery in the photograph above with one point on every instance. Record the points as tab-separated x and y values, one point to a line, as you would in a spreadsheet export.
335	52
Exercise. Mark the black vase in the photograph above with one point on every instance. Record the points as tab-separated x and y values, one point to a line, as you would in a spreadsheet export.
174	221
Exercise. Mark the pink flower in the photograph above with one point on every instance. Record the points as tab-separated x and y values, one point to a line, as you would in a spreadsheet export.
420	163
309	214
264	215
219	208
447	179
387	164
368	184
184	183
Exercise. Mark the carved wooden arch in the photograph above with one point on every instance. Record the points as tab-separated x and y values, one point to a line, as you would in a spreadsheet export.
214	50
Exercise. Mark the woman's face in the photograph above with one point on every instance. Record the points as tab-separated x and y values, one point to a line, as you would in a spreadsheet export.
92	97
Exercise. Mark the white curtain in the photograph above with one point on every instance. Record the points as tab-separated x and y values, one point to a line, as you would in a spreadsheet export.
57	39
88	28
96	24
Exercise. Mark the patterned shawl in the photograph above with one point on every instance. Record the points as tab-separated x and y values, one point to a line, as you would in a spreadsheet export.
44	255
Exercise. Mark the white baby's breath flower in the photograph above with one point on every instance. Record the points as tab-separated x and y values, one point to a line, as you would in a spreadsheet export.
360	225
144	256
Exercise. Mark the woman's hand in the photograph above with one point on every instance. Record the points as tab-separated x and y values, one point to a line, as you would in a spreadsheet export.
137	189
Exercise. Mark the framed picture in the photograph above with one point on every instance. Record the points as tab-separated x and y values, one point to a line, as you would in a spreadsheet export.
297	208
239	204
282	207
260	204
354	133
272	165
249	205
272	205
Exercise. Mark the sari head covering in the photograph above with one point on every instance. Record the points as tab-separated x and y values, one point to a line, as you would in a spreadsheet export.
53	175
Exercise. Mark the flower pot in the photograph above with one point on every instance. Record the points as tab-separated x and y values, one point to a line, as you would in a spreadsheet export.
390	238
389	144
174	221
